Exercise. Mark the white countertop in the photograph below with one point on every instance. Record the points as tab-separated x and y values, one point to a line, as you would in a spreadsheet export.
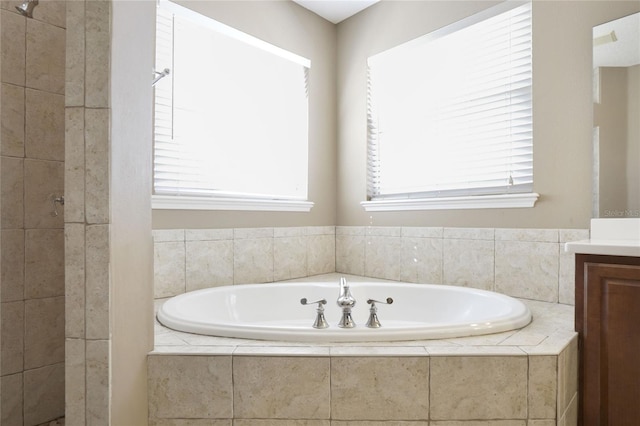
605	247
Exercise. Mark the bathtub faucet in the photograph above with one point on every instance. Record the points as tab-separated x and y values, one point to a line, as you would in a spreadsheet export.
345	302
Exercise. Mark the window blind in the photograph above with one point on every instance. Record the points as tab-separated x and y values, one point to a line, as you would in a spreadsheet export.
231	119
450	113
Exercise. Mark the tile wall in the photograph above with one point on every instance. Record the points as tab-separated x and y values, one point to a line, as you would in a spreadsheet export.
525	263
32	239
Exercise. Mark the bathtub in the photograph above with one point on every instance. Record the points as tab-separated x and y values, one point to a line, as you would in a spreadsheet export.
274	312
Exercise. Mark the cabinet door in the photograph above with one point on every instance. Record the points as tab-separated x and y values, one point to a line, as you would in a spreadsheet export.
609	307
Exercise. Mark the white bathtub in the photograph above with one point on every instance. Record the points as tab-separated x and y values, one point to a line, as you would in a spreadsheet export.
274	312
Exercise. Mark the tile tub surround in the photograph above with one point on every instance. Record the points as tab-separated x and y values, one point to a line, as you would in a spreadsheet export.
521	377
527	263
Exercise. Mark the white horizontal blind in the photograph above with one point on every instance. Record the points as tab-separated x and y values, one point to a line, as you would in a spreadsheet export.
450	113
231	119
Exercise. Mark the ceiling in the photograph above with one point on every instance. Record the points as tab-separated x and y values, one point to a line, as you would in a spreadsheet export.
623	52
335	11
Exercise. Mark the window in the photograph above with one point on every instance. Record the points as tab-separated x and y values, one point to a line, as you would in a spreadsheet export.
231	118
450	116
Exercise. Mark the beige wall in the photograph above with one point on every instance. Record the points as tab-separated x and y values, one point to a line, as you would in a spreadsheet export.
633	135
292	27
562	105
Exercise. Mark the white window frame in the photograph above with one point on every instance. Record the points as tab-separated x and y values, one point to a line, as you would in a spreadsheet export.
231	202
416	201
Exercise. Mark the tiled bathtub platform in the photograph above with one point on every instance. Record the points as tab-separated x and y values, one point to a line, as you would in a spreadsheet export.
520	378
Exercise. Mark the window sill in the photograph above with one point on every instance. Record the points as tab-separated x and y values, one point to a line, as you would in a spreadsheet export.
168	202
454	203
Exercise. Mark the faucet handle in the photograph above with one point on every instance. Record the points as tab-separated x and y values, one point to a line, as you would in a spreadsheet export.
320	321
373	321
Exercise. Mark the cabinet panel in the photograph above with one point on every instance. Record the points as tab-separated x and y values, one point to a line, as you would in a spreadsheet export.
608	321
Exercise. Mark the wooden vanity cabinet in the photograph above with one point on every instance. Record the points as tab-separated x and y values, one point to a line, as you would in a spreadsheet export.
608	322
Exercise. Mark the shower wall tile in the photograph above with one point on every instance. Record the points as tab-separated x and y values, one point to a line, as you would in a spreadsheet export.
543	387
12	60
44	136
380	388
257	422
252	257
298	387
97	382
482	388
11	396
52	12
469	262
75	388
45	62
12	119
97	60
208	263
44	332
198	422
44	263
74	165
169	269
290	256
75	53
43	400
190	387
12	354
43	181
527	269
97	282
96	164
74	257
12	277
12	192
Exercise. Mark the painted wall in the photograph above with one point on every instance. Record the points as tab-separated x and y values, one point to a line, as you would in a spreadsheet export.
633	135
292	27
562	91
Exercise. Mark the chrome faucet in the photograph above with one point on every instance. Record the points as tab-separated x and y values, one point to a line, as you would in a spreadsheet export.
345	302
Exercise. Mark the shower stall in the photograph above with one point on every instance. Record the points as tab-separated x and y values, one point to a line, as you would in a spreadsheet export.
32	141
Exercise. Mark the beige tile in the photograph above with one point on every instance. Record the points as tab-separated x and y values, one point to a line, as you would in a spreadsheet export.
74	280
195	234
45	130
75	382
12	355
12	119
289	257
321	254
96	164
280	422
545	423
45	64
12	183
380	388
421	260
97	382
97	282
190	422
170	235
44	263
11	393
252	233
567	375
289	231
43	394
44	332
43	181
190	387
422	232
383	256
482	423
527	269
252	260
487	234
469	262
383	231
13	30
12	258
298	387
51	12
75	53
169	269
209	264
525	234
97	53
74	165
478	388
570	416
543	387
350	253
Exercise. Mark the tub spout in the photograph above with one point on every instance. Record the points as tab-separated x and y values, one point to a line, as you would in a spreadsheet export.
346	301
